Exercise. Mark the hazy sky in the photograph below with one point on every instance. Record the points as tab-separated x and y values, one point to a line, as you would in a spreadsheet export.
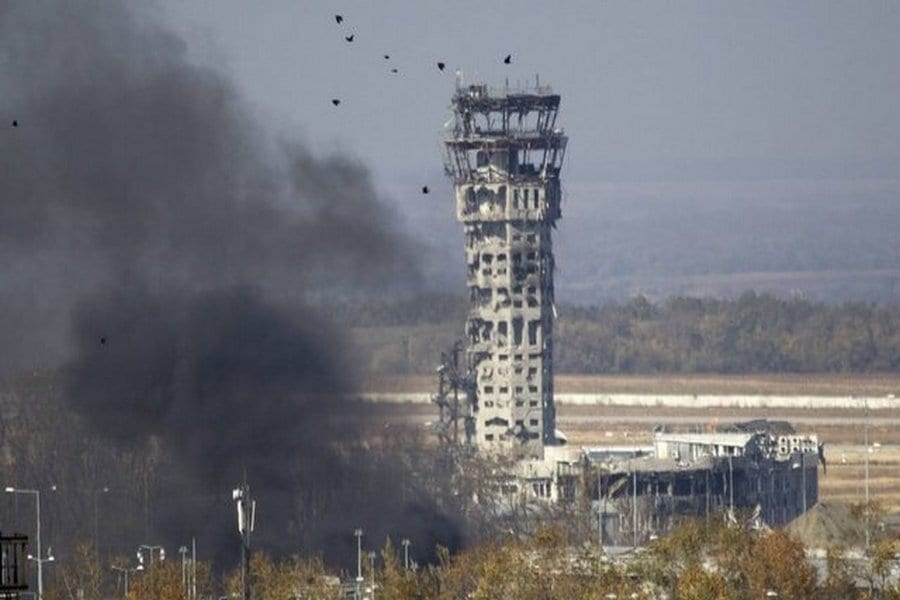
651	90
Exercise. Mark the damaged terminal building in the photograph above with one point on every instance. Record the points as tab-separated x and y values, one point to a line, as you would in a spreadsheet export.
495	392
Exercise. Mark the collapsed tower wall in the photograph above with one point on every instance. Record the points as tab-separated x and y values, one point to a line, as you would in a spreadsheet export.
504	156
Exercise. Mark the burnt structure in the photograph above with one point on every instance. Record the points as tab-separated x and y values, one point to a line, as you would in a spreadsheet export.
754	472
504	155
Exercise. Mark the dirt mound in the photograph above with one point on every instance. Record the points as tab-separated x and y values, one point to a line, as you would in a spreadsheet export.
827	524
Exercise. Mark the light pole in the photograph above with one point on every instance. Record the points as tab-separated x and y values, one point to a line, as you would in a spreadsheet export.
358	532
96	493
183	552
150	550
372	569
39	560
405	543
246	516
866	458
125	571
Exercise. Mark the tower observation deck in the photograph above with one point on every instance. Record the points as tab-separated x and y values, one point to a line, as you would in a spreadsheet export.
504	155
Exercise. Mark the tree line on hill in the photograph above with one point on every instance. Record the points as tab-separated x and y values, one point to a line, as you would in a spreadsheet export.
755	333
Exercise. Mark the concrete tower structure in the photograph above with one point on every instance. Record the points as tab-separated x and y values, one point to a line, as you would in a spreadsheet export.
504	155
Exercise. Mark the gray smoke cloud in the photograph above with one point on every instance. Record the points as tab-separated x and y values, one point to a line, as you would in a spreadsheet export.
164	249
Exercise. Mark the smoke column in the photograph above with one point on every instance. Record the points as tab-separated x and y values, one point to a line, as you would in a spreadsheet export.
160	246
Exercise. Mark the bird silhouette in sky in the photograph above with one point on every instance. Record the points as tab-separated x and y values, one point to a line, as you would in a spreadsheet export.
349	38
335	101
15	123
508	59
441	66
339	19
424	189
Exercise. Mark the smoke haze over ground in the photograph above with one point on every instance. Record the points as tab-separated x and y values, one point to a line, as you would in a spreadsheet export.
154	241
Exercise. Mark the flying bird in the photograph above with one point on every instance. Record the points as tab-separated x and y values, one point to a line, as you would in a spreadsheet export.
339	19
441	66
102	340
335	101
424	189
15	123
508	59
349	38
395	70
387	57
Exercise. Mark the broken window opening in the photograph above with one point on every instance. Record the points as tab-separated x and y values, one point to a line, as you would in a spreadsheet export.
517	331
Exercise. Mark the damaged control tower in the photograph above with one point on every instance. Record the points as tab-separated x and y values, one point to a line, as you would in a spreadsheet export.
504	155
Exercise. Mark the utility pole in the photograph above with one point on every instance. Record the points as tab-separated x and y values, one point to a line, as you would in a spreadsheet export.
125	571
803	475
634	518
96	494
707	491
193	593
358	532
601	507
866	453
246	514
184	579
731	484
405	544
372	569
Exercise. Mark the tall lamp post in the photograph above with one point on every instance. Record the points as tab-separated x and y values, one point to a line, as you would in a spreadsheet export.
358	532
40	560
150	550
125	571
372	569
183	552
866	458
246	516
406	544
96	493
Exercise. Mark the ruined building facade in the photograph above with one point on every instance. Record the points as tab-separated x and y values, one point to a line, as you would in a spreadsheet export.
504	155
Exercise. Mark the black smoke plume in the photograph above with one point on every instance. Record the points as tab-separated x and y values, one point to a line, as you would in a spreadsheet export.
165	250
